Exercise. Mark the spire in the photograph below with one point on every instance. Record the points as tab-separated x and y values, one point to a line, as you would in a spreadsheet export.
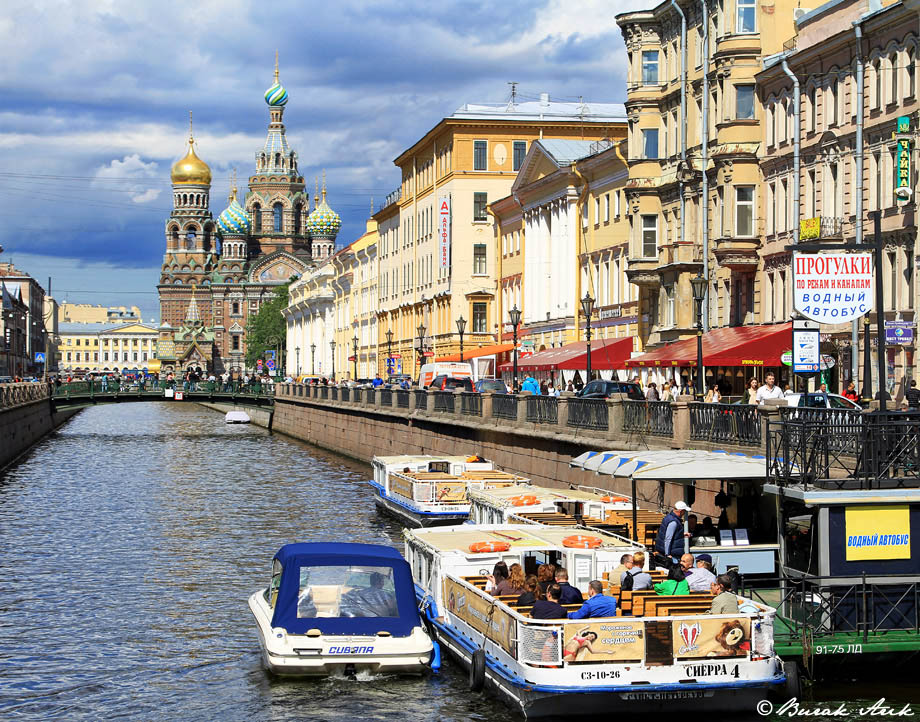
191	136
316	194
324	185
191	314
372	205
232	196
277	81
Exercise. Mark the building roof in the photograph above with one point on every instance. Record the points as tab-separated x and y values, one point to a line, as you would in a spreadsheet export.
94	328
565	152
544	110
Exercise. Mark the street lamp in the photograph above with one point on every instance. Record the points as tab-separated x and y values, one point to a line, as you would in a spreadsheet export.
297	351
354	343
461	327
421	342
515	315
332	347
312	359
699	295
389	335
587	305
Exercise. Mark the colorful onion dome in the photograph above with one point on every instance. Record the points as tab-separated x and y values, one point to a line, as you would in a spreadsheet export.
234	221
323	222
276	95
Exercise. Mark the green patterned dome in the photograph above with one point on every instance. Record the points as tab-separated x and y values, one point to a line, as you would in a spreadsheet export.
323	222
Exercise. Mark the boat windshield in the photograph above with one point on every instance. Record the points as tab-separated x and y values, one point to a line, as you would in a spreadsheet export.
346	591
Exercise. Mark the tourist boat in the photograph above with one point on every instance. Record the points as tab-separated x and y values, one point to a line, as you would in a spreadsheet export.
670	653
237	417
584	505
341	609
433	490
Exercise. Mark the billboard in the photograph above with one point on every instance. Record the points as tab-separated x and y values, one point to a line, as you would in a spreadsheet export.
444	231
878	532
833	287
701	637
806	350
622	641
481	614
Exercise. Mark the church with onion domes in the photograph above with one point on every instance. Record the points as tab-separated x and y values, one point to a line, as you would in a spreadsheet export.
216	273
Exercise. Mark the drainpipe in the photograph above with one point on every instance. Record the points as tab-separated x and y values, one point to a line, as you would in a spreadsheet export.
683	114
796	146
579	234
704	142
860	160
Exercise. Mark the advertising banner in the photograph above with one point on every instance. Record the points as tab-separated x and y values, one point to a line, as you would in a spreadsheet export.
444	231
806	350
481	614
902	182
696	638
450	492
834	287
622	641
401	485
878	532
899	332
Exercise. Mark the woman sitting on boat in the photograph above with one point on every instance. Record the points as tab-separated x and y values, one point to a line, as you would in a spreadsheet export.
513	584
546	575
532	591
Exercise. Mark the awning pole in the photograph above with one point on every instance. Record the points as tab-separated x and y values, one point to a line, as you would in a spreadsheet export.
635	527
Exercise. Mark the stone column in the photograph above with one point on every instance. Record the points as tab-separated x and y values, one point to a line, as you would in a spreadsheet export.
486	405
769	412
562	416
615	414
681	412
522	407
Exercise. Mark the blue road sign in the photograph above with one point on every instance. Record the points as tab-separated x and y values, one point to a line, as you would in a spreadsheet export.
39	357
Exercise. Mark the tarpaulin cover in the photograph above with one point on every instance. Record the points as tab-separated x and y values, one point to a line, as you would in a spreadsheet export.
606	353
733	346
682	465
295	556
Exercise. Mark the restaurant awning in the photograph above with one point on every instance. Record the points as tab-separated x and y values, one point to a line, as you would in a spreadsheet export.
606	353
673	465
478	352
734	346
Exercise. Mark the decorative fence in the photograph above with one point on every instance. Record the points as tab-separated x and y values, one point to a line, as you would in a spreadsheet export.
504	406
649	417
725	423
542	409
588	414
470	404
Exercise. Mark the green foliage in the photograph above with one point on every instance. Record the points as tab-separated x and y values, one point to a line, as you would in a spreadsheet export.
267	329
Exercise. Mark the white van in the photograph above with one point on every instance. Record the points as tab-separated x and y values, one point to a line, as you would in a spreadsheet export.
429	371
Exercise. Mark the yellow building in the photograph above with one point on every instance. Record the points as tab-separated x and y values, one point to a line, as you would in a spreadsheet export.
91	347
79	346
88	313
437	252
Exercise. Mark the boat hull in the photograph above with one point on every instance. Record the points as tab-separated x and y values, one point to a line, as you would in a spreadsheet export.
414	518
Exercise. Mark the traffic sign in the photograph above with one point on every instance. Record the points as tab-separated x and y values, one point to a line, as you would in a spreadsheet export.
39	357
271	364
259	363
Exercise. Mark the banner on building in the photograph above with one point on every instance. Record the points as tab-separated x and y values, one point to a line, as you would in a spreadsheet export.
444	231
702	637
899	332
902	185
833	287
878	532
623	641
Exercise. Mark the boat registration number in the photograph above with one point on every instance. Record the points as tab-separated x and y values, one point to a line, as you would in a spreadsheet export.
677	694
838	649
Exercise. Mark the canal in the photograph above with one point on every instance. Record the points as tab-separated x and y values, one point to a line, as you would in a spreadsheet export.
129	542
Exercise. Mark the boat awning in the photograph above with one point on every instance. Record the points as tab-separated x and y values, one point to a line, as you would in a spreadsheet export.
733	346
674	465
478	352
606	353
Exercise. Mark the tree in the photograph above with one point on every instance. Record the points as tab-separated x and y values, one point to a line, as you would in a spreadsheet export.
266	330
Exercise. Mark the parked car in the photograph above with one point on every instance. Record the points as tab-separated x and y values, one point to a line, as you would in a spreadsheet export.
496	386
600	389
449	383
6	379
428	372
397	379
820	400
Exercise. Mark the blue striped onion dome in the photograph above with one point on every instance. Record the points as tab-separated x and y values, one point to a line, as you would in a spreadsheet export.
323	222
276	95
234	221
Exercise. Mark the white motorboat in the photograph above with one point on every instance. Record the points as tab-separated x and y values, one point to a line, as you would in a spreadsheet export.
237	417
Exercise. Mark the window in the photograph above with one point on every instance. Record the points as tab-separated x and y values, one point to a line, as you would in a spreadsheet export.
616	204
877	69
649	67
744	101
520	150
257	217
911	69
346	591
744	211
68	356
479	318
298	210
235	308
479	259
746	21
236	342
893	65
480	148
597	210
480	201
649	236
105	356
650	143
812	109
877	158
830	106
606	208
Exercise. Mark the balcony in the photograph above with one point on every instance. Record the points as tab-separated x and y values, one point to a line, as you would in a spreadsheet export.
821	228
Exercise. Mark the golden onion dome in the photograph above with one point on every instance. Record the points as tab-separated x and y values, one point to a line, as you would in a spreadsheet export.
191	169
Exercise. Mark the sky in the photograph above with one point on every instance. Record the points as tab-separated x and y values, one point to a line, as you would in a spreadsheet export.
97	93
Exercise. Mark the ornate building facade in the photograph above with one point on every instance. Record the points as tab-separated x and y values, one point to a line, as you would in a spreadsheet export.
229	266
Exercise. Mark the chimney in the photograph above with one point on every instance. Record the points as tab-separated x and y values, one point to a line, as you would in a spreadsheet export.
544	100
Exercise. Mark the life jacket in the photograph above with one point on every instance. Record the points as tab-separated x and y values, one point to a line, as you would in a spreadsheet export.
677	542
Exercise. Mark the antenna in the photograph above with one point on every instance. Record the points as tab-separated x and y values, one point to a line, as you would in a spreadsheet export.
513	84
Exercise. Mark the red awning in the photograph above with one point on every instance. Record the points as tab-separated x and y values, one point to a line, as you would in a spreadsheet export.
735	346
469	353
606	353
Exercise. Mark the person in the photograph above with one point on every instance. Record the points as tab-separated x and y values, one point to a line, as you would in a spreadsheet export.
670	539
851	393
377	381
532	591
672	587
822	389
498	575
641	579
551	390
530	384
750	393
570	594
700	577
706	528
685	389
549	608
620	569
597	604
724	601
371	601
582	640
570	387
769	390
882	394
913	396
545	576
652	393
692	524
105	382
513	584
713	396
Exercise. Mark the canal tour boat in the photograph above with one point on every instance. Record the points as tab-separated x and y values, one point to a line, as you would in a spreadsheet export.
433	490
341	609
584	505
663	652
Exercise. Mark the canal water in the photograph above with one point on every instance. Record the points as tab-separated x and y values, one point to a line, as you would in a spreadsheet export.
130	541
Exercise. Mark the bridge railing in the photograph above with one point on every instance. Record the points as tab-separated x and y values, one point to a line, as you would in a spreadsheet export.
17	394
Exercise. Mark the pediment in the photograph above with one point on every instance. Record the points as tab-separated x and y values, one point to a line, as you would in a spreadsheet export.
277	268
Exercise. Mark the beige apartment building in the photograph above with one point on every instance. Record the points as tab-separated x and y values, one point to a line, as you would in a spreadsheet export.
95	347
88	313
437	254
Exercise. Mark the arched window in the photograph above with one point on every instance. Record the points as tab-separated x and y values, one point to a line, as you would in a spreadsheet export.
261	160
278	213
277	160
185	199
235	308
893	64
174	235
298	209
257	217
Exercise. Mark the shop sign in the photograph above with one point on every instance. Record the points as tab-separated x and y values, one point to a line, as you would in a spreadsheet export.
623	641
877	532
696	638
899	332
444	231
604	313
833	287
806	350
809	229
786	358
902	184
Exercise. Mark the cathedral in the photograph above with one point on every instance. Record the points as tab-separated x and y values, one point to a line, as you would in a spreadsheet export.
216	273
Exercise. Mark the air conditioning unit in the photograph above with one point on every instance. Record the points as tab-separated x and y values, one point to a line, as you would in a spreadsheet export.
798	13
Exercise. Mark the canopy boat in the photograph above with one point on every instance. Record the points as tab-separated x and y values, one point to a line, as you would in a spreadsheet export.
433	490
661	649
341	608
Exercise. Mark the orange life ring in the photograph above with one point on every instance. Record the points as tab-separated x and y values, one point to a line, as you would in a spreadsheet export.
580	541
614	499
489	546
523	500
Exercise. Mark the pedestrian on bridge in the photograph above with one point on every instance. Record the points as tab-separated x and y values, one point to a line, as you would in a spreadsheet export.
105	383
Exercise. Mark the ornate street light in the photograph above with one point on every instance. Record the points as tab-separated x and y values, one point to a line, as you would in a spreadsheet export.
461	327
587	305
354	343
699	295
515	315
312	359
332	347
421	342
389	335
297	351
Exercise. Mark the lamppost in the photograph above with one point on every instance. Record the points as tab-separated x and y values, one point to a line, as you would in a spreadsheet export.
699	295
297	352
421	342
313	359
354	345
515	315
389	335
587	305
332	348
461	327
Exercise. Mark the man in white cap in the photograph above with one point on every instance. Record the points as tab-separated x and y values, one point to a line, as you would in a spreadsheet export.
670	539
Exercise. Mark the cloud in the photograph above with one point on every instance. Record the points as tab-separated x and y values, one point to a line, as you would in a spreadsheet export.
117	175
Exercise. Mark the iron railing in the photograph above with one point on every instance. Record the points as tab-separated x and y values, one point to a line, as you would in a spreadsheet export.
402	399
421	399
504	406
588	414
21	393
334	393
386	397
470	404
444	401
725	423
542	409
648	417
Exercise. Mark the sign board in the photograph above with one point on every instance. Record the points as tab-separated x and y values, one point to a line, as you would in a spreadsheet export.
444	231
270	363
623	641
428	354
898	332
833	287
877	532
270	353
902	183
714	638
806	350
259	363
483	616
39	357
179	395
786	358
809	229
395	355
